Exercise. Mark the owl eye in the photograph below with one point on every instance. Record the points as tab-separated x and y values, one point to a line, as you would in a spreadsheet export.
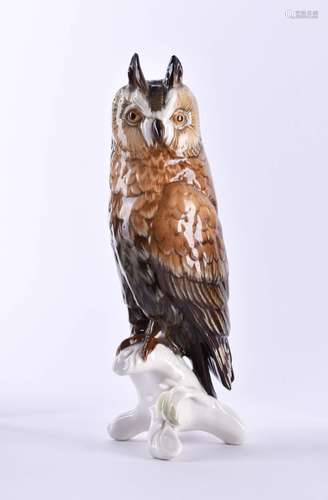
180	118
133	117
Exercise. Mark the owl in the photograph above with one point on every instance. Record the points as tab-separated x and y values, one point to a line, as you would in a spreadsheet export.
166	235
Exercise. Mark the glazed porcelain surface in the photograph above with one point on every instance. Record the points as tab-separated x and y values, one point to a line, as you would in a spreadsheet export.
165	227
171	258
171	400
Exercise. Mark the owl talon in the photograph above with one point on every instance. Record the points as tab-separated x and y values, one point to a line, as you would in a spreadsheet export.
150	340
149	346
130	341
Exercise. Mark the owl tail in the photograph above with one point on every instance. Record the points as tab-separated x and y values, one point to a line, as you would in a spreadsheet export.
205	359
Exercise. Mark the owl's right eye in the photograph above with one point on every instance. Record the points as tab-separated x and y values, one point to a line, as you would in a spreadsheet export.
133	116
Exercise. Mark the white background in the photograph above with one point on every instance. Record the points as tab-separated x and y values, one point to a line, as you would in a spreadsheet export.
261	83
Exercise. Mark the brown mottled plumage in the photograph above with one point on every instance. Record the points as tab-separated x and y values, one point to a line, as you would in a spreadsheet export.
166	233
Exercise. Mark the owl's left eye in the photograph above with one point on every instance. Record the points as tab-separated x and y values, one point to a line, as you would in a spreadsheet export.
180	118
133	116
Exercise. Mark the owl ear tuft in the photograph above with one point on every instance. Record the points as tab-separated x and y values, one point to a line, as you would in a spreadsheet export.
136	76
174	73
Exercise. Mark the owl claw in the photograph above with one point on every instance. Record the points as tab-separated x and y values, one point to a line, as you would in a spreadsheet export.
130	341
149	346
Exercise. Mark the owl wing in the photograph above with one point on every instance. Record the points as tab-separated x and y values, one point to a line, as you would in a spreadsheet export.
191	266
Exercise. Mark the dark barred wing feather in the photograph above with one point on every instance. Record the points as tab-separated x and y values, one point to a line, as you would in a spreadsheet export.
189	257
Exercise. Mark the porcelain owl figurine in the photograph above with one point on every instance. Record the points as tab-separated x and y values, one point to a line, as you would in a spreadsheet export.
166	233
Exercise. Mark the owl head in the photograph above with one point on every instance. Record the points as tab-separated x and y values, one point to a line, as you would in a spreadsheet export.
156	114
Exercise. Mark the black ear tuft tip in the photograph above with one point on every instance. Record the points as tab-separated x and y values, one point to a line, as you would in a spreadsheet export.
135	74
174	72
175	60
134	65
134	60
177	64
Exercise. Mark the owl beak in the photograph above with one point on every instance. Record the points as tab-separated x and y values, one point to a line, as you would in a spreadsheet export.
158	131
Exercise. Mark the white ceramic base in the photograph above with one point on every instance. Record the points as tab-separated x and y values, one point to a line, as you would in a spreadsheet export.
171	400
